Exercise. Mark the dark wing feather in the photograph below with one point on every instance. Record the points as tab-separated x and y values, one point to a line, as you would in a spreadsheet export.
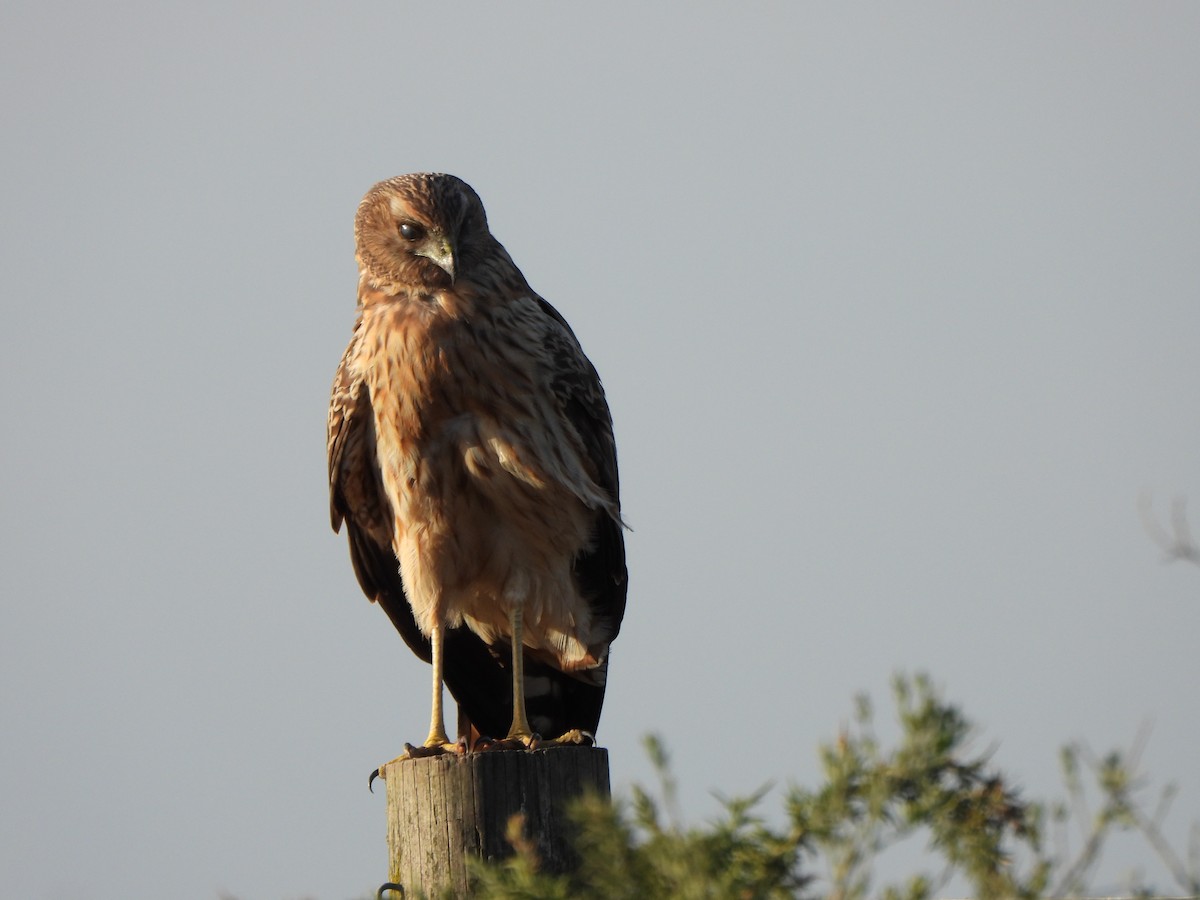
600	570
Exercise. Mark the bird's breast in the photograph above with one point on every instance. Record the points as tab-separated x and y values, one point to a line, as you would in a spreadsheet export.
462	425
485	486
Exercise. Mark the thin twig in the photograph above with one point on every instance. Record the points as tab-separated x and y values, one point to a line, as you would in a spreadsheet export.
1179	544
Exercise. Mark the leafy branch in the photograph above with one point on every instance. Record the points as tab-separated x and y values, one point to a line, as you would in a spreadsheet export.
975	823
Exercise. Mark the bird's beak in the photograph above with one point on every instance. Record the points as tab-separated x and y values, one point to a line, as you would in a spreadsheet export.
441	251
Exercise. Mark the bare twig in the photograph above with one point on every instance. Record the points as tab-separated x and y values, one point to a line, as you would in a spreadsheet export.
1188	880
1179	543
1120	786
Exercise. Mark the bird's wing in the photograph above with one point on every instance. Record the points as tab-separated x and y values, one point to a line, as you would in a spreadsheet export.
349	411
600	570
356	495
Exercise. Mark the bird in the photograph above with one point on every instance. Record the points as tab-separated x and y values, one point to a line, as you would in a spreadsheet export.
472	460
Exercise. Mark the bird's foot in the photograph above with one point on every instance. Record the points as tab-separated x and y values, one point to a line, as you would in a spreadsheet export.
576	737
512	742
434	748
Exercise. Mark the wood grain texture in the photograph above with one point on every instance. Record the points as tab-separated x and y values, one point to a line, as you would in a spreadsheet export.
443	810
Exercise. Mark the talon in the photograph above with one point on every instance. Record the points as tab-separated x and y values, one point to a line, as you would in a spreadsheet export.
512	742
389	886
411	752
370	785
576	737
493	746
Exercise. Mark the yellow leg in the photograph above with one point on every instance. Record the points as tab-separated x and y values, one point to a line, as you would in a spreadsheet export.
437	723
437	742
521	735
520	730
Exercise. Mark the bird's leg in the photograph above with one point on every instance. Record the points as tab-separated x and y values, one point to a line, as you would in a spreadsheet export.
520	734
438	741
437	722
520	730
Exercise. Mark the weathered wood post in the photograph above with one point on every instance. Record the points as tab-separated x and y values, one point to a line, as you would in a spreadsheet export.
441	810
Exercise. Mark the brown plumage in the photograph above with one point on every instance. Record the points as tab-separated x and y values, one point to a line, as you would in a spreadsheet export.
471	456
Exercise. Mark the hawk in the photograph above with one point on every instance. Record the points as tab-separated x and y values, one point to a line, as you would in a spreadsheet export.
472	460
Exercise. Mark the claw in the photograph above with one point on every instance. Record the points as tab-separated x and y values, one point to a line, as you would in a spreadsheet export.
457	748
518	742
483	743
389	886
412	752
576	737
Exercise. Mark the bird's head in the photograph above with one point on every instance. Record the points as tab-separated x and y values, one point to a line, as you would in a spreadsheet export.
419	230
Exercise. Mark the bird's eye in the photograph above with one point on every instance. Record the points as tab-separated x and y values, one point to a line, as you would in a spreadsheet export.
411	232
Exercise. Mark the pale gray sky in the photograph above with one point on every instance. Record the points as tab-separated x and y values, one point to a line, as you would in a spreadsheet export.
898	310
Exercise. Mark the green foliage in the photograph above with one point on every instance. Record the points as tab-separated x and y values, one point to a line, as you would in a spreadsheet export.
976	825
628	851
873	799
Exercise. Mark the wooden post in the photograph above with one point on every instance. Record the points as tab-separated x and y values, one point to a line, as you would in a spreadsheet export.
442	810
